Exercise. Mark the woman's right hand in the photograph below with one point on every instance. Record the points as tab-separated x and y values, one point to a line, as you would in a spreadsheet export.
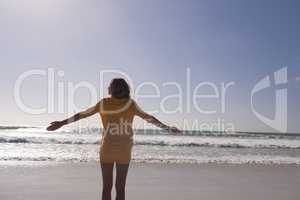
54	125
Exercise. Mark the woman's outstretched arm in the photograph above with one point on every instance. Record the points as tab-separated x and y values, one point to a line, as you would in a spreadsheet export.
153	120
58	124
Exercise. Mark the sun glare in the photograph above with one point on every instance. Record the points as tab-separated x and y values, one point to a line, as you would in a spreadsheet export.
34	7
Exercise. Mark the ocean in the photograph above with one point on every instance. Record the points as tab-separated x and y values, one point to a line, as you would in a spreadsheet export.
36	145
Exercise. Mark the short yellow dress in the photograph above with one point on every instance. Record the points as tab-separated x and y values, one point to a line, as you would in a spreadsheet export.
117	137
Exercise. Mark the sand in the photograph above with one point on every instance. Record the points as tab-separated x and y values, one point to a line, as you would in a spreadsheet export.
153	181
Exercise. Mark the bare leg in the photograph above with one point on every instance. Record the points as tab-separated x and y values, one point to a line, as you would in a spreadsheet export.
121	176
107	180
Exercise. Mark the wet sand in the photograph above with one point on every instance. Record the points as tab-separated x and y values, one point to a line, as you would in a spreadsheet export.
153	181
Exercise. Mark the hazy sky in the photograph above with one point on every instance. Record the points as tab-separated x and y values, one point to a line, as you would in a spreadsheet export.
220	41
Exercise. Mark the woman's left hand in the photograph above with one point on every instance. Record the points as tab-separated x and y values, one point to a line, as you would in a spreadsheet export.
175	130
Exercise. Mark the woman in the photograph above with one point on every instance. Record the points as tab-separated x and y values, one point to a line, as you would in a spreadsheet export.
117	113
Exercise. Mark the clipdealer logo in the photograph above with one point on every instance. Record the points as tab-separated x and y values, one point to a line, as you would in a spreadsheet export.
279	121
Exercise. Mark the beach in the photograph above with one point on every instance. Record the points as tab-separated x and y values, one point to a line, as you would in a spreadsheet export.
201	97
152	181
36	164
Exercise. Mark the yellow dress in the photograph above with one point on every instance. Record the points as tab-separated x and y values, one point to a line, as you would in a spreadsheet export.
117	137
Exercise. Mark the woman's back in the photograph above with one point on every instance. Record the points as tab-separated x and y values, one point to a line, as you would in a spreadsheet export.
117	137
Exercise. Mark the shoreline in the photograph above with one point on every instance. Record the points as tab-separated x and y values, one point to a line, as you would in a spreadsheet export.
9	163
153	181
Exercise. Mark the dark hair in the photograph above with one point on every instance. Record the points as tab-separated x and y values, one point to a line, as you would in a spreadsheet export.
119	88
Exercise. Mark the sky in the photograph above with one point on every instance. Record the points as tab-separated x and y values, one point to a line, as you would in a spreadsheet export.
160	46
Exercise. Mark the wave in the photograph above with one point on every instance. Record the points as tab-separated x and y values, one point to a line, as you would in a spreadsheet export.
237	134
95	130
16	127
45	141
206	144
225	144
213	160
